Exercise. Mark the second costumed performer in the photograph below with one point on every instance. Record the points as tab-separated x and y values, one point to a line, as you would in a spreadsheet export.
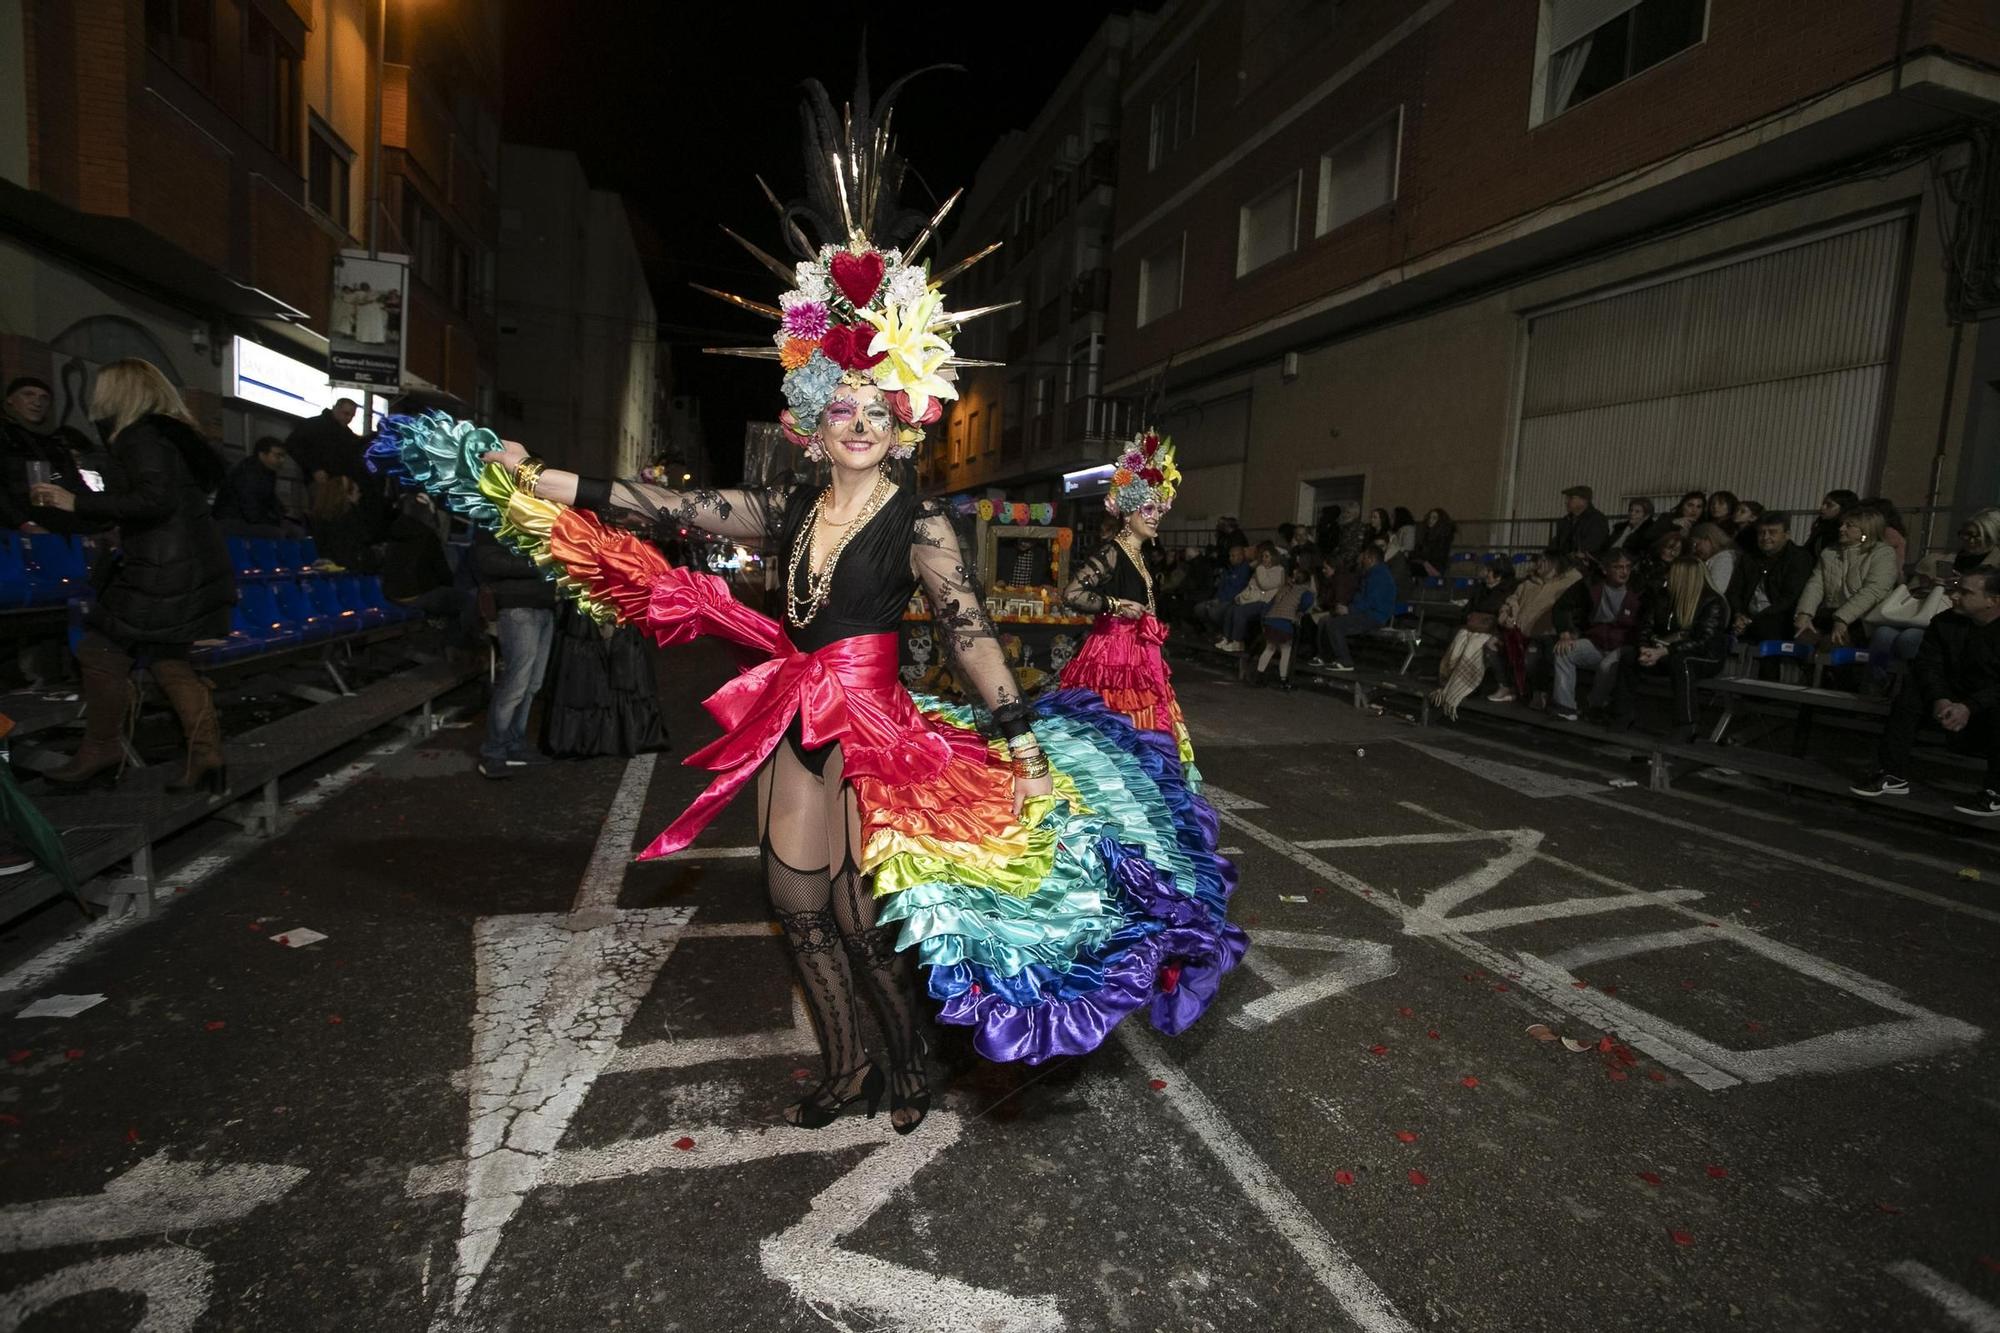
1053	877
1120	660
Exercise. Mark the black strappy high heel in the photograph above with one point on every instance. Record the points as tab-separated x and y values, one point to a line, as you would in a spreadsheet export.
919	1101
817	1113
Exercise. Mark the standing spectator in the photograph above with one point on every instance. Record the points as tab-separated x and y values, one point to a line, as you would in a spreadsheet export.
247	505
1326	535
1281	621
1287	538
1635	533
1402	533
1713	546
1463	669
1583	531
28	437
524	606
1686	636
1825	533
1954	684
1228	533
1764	592
1722	506
170	584
1600	642
1267	576
415	569
1527	619
1230	580
1373	605
327	446
1850	581
1692	509
1432	554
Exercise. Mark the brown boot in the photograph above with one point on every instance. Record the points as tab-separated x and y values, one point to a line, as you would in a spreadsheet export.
194	705
107	699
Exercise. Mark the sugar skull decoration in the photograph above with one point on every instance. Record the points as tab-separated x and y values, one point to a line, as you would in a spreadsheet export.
1145	475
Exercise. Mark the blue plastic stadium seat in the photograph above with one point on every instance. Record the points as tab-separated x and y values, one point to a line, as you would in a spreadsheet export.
1522	557
325	602
1791	648
290	557
239	556
298	609
260	607
308	552
15	589
1848	657
354	596
1434	583
392	610
1461	584
263	557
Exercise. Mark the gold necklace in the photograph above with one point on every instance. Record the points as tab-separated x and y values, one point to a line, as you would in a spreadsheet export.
1132	549
800	610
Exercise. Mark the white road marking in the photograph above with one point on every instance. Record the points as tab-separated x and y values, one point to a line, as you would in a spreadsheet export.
173	1280
1386	840
155	1196
1222	799
713	854
605	875
1827	865
1362	961
1529	782
1961	1306
1365	1303
1624	946
190	875
681	1053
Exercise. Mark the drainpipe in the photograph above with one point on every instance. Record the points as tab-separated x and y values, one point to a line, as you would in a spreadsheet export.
1943	435
1902	48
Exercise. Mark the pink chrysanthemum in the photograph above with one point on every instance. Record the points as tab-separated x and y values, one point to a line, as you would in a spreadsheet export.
806	320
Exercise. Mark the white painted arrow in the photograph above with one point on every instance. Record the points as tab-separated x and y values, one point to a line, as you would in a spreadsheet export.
156	1195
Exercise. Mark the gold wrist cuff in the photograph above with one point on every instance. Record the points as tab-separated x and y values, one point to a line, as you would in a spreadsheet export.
528	474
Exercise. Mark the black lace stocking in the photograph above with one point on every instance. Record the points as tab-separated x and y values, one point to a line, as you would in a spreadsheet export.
888	975
799	897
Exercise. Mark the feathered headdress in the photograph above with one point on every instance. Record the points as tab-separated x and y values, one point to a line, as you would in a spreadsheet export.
1145	474
860	306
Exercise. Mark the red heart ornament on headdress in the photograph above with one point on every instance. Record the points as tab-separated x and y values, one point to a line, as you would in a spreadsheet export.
846	345
858	276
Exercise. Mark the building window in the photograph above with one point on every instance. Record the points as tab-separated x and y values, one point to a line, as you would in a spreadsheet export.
975	442
1160	280
270	87
1085	358
180	32
1360	176
1593	45
1267	227
329	173
1173	119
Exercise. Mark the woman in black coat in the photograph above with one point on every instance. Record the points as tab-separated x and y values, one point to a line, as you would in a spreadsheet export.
1685	637
169	582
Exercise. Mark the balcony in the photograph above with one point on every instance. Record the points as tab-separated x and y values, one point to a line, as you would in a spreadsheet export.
1095	420
1048	318
1090	294
1099	168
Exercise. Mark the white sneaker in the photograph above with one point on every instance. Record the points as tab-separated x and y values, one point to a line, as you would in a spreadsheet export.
1503	695
1339	666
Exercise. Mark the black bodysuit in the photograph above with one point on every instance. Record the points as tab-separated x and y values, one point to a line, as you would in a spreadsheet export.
1107	576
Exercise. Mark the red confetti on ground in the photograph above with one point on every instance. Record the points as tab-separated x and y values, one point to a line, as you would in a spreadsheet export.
1991	1264
1717	1172
1889	1208
1470	977
1469	1081
1503	986
180	889
1604	1043
1378	1050
1318	892
1406	1136
1624	1054
1617	1075
1608	990
1680	1237
17	1057
684	1143
334	1018
1407	1013
1753	1025
9	1120
1368	893
1651	1178
1687	983
256	925
1158	1085
340	962
215	1025
1713	925
1656	1076
73	1053
1418	1178
1579	985
1250	920
802	1074
1432	1034
1343	1177
132	1134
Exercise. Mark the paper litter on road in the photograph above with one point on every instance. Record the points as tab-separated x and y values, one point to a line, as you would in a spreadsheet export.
60	1006
1572	1045
1970	872
1293	898
1623	782
1541	1032
297	938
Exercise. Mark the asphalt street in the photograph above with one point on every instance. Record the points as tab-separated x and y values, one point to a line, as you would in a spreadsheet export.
524	1084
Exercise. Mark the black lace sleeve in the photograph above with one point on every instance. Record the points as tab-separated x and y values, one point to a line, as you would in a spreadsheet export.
748	516
960	614
1086	590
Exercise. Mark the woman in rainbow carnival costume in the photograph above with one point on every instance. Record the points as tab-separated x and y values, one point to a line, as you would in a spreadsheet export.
1052	877
1121	660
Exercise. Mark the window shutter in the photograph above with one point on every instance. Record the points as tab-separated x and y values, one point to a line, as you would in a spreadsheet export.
1572	20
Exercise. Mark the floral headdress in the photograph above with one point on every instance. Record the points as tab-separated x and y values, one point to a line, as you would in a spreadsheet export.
1145	474
858	309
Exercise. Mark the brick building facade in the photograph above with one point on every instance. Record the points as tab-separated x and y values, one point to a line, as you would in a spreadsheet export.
1443	253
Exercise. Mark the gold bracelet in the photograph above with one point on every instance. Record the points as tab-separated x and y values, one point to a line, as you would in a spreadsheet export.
1025	741
1031	766
528	474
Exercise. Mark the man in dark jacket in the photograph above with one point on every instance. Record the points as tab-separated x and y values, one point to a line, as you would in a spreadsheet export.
1583	531
1594	630
326	445
28	436
1764	591
1954	684
247	505
524	600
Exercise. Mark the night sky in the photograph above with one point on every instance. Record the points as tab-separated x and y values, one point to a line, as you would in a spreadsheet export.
675	105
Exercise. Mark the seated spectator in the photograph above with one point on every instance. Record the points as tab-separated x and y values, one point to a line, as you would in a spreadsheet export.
1402	532
1895	534
1685	637
1748	512
1954	684
1326	533
1650	577
1850	581
1582	532
1228	536
1287	538
1527	620
1374	605
1716	549
1463	669
1978	547
1722	506
338	527
1379	528
1599	641
1764	591
29	438
1432	554
1230	580
1692	509
415	570
247	505
1267	576
1281	622
1825	534
1635	533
